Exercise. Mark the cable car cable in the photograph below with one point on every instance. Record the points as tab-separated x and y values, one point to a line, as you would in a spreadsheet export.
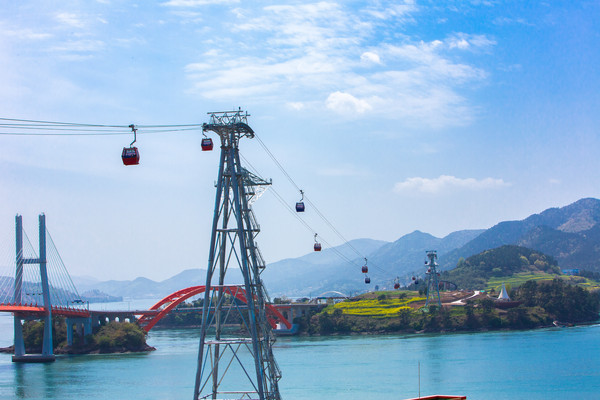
302	221
93	132
280	166
37	122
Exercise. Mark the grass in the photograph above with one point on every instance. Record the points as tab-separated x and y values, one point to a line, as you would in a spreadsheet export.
517	280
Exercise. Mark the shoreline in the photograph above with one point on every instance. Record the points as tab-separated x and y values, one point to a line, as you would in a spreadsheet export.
410	332
84	351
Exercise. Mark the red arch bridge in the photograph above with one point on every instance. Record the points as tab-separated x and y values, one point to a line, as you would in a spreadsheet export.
147	318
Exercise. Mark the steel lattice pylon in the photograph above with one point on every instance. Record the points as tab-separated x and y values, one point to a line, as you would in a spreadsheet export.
433	283
222	353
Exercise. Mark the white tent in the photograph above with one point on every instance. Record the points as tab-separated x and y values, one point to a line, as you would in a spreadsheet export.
503	294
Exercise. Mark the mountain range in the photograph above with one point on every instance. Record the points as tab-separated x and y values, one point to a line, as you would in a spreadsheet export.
570	234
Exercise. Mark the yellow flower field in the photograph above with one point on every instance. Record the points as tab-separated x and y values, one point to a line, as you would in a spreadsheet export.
375	308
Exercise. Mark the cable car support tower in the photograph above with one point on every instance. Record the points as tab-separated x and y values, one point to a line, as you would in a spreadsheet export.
433	283
233	367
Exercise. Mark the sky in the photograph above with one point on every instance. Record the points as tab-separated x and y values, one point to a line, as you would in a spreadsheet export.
392	116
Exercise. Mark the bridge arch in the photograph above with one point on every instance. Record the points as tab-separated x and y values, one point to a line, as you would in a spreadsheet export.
164	306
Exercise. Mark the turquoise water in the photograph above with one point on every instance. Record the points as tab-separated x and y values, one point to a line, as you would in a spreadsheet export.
552	363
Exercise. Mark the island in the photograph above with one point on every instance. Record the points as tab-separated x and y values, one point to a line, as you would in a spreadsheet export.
536	294
112	337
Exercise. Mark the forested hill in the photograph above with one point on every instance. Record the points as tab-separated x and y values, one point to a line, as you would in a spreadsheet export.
476	271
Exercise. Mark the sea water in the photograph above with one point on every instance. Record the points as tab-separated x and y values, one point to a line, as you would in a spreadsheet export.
553	363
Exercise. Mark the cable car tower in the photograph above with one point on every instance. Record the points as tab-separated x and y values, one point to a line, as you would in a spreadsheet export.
232	367
433	283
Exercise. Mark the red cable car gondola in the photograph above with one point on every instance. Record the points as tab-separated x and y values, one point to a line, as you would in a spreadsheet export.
317	244
365	269
206	144
131	154
397	283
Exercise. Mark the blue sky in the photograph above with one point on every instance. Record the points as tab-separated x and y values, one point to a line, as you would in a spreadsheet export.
391	116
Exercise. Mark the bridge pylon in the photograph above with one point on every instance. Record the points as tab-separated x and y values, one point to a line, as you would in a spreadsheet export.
230	366
47	348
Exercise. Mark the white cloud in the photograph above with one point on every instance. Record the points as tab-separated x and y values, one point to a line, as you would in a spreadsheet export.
25	34
446	182
196	3
371	57
330	57
295	105
70	19
400	11
460	43
80	46
345	103
465	41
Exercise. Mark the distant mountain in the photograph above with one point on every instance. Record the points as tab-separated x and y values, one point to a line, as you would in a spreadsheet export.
406	255
572	250
316	273
333	269
569	233
96	296
146	288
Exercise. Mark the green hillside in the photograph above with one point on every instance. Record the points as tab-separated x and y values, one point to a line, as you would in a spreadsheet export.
494	266
511	265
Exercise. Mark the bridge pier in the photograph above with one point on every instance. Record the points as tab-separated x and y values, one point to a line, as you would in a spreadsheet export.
18	336
82	325
19	342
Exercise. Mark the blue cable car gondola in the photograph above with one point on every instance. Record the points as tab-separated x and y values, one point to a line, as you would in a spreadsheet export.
367	280
317	244
300	204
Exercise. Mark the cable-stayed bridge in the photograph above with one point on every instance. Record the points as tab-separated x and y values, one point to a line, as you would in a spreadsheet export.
35	284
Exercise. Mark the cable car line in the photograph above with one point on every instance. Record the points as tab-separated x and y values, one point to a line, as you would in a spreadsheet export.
130	156
93	132
61	123
331	226
52	123
285	205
